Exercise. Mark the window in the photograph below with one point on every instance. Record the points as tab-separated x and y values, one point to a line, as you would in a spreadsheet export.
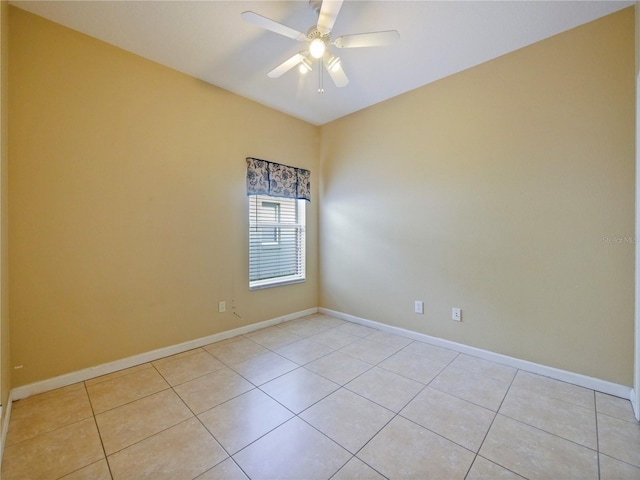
276	241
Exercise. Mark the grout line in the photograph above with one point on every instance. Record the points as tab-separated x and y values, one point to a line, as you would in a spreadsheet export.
491	426
95	421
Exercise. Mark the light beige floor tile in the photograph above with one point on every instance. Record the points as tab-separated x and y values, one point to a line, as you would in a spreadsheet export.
227	470
474	388
50	394
355	329
406	450
135	421
370	352
183	451
356	469
502	373
535	454
385	388
305	327
273	338
95	471
619	439
334	338
265	367
124	389
261	331
119	373
299	389
304	351
34	416
458	420
53	454
555	388
347	418
483	469
436	354
244	419
566	420
212	389
331	322
615	407
612	469
416	367
390	339
293	451
236	352
338	367
180	369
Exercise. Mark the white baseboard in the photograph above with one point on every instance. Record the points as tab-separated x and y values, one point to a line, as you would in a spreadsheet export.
25	391
603	386
555	373
634	403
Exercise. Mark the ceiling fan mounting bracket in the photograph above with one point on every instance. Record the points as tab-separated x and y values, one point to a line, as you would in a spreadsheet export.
315	5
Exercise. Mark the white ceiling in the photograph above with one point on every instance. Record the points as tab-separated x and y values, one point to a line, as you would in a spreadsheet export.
208	40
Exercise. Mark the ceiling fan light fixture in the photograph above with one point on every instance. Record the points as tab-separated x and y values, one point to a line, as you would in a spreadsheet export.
317	48
305	66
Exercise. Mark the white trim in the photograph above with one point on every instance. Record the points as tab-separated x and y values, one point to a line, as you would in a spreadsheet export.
633	396
25	391
563	375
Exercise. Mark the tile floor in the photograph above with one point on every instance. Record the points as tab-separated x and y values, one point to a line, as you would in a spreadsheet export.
320	398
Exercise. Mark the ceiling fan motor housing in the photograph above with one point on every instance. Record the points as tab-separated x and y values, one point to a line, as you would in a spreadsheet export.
314	33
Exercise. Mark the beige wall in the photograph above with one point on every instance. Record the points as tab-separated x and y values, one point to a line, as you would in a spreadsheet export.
5	359
128	213
492	191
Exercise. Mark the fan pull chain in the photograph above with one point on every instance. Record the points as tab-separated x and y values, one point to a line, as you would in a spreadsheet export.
320	77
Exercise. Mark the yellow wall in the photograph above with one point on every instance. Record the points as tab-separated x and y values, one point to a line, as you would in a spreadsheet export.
493	191
5	359
127	208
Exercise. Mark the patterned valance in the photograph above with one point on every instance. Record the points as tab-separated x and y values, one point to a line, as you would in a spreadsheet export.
268	178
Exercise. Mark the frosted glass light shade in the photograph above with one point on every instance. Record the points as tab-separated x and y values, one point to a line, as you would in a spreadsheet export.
317	48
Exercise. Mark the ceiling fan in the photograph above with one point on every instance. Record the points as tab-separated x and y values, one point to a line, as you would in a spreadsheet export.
318	39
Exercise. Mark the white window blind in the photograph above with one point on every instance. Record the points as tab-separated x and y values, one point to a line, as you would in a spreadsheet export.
276	241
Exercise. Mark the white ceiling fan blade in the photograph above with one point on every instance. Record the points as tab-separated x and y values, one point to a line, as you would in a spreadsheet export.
335	70
285	66
328	14
373	39
272	25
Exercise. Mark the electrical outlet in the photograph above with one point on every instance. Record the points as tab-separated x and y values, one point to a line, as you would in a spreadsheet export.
456	314
419	306
222	306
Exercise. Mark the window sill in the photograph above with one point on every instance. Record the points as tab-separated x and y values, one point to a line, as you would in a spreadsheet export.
260	285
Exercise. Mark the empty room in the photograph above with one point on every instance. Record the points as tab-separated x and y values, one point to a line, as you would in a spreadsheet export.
319	240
